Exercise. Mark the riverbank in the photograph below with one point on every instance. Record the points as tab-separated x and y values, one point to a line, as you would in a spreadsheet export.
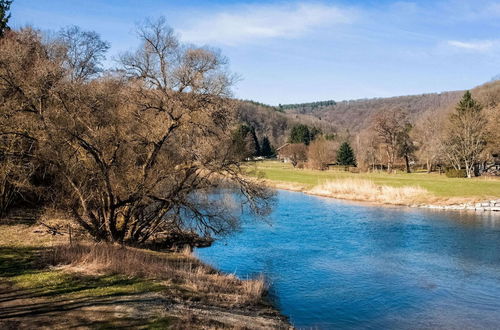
47	283
414	190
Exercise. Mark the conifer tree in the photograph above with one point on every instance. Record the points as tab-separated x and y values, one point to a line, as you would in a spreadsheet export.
266	149
300	134
345	155
4	15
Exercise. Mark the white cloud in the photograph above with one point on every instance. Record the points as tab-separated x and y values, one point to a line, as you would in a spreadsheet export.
251	22
478	45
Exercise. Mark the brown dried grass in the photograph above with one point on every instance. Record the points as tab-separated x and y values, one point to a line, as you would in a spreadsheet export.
180	271
366	190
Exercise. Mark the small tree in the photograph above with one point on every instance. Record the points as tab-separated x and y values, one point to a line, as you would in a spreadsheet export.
4	15
466	134
345	155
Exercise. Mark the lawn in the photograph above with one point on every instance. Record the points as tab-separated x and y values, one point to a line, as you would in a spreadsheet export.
438	185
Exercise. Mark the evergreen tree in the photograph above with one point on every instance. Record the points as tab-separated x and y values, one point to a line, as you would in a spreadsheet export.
300	134
266	149
4	16
314	132
245	141
345	155
256	150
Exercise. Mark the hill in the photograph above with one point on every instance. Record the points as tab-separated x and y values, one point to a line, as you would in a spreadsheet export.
275	124
354	116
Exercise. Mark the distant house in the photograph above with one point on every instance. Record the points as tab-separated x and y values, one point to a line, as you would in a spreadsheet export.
280	153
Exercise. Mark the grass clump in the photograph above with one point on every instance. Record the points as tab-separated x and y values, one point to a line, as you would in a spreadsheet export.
365	190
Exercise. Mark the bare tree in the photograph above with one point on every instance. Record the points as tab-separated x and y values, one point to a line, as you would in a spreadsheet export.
466	134
320	153
27	79
296	152
84	52
133	158
428	135
389	126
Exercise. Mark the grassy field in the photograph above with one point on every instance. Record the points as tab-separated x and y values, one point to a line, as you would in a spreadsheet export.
481	188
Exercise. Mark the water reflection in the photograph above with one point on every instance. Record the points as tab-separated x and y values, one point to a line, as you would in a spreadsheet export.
335	264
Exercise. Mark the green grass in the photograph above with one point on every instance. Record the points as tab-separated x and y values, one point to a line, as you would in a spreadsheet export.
23	267
438	185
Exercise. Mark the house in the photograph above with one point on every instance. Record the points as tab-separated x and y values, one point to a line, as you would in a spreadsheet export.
280	154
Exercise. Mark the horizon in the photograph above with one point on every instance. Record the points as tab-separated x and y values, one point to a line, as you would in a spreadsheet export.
320	50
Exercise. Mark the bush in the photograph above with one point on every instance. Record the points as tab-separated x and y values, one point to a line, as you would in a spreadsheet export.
454	173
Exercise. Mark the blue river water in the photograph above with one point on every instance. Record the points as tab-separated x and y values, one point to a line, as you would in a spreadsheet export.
339	265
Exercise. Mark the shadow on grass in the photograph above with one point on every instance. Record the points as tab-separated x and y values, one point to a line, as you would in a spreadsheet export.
32	293
19	260
21	216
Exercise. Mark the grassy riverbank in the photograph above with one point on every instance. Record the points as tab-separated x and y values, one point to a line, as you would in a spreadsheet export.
45	282
436	188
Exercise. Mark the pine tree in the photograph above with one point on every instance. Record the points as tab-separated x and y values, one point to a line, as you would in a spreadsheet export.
345	155
266	149
4	17
300	134
245	142
256	149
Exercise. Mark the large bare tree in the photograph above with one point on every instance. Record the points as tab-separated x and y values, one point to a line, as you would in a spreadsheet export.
137	155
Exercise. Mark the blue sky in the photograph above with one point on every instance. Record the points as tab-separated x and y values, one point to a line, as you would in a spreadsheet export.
300	51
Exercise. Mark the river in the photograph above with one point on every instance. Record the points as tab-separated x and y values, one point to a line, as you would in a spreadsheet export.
336	264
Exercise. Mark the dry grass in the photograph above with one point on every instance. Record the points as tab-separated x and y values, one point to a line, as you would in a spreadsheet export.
180	271
365	190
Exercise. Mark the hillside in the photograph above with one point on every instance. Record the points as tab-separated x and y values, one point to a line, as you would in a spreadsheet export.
355	115
275	124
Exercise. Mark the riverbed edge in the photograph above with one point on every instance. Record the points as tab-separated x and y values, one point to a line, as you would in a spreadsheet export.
492	205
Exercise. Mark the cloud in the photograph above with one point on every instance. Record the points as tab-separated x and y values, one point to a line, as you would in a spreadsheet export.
251	22
478	45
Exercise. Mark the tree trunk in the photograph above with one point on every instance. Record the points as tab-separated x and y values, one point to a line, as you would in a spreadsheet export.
407	162
468	169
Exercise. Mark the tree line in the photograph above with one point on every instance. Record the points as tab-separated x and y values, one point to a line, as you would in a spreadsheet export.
457	142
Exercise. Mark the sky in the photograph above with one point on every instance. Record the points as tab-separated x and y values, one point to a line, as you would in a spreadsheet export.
303	51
